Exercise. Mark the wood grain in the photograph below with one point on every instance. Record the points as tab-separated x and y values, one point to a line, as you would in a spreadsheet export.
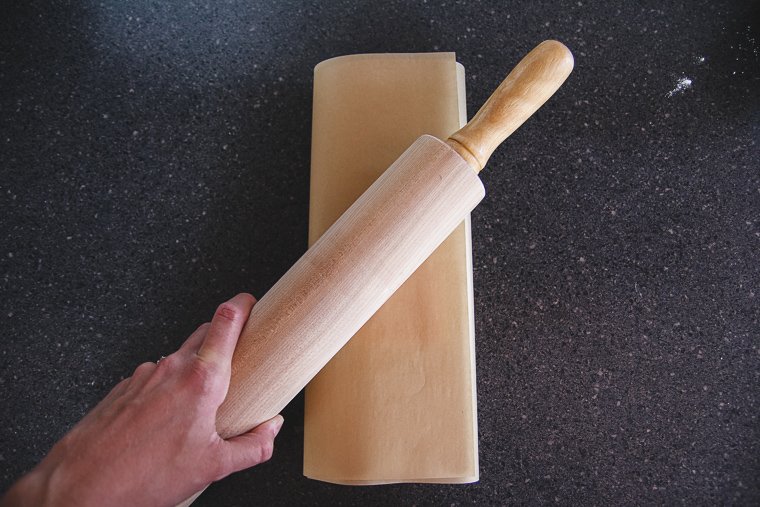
341	281
524	90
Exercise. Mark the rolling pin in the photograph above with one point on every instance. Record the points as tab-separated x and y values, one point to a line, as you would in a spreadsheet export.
368	253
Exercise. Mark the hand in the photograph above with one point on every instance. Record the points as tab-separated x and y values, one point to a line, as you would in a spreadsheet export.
153	440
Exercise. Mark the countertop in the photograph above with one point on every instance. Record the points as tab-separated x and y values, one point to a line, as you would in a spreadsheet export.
155	161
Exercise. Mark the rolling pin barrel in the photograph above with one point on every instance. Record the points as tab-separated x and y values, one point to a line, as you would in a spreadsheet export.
341	281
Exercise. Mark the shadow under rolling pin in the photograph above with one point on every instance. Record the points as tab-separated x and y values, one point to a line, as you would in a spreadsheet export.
370	251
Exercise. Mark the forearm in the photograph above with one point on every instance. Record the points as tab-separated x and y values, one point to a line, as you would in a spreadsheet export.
31	490
47	485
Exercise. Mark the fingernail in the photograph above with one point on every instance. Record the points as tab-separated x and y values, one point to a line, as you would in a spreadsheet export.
277	424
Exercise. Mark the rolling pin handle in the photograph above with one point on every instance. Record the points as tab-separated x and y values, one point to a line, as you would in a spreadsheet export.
524	90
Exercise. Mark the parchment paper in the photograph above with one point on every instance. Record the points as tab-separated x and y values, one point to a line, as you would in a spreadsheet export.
397	404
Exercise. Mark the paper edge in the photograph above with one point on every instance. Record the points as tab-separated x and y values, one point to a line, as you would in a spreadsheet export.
371	56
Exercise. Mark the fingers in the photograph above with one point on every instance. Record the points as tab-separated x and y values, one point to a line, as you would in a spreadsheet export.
213	343
251	448
117	391
194	341
222	335
140	377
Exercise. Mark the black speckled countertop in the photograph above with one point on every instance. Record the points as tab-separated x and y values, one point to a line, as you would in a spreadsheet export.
154	160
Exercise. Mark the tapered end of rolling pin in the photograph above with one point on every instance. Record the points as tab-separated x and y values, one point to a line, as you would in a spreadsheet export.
525	89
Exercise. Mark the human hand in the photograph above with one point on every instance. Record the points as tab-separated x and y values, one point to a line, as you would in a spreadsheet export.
152	440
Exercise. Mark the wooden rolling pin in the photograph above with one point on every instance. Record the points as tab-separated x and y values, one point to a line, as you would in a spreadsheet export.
344	278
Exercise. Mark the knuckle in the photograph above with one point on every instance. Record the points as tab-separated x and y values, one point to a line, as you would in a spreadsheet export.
265	451
203	375
144	368
118	388
170	362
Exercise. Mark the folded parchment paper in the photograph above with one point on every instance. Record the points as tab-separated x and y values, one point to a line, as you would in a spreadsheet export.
397	404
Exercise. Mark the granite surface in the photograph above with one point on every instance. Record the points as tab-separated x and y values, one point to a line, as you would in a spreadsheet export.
154	160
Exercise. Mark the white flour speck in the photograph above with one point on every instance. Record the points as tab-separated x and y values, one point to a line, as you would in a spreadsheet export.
683	84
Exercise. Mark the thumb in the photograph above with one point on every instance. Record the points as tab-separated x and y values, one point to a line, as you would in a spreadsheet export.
253	447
